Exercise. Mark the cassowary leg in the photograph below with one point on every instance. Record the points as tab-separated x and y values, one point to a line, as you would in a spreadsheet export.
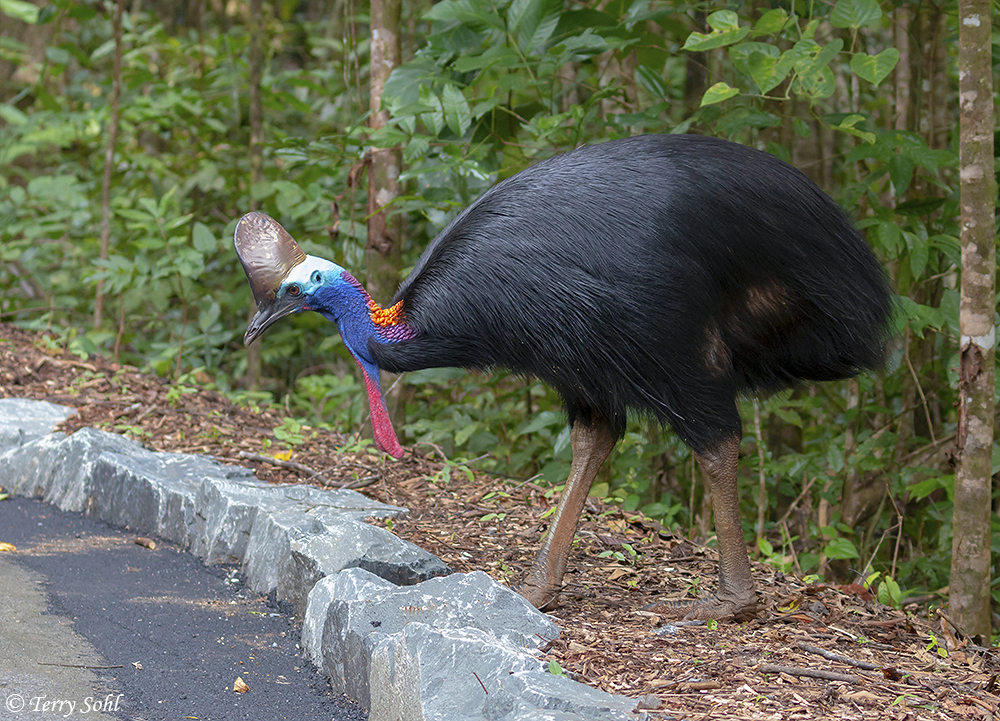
736	597
591	447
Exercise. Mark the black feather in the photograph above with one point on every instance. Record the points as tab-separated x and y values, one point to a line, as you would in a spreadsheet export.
660	274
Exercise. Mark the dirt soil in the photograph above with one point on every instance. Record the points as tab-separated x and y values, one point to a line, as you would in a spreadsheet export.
813	652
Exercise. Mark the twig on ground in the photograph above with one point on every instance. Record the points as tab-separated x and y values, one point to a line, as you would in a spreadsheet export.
314	474
831	656
850	635
360	483
689	686
290	465
812	672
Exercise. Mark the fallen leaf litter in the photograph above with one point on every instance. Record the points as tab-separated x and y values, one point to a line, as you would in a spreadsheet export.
814	651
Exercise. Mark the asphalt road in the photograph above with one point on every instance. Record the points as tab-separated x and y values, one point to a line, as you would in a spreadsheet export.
93	626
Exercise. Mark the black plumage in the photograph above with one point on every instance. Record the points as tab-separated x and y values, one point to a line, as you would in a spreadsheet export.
659	274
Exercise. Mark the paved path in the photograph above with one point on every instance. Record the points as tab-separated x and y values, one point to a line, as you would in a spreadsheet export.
79	593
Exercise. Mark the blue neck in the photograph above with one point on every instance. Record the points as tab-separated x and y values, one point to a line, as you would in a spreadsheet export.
342	300
346	303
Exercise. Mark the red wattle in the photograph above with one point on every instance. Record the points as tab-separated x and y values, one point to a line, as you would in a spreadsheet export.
382	430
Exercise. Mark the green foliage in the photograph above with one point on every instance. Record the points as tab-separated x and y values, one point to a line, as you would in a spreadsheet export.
855	13
888	591
627	555
875	68
791	54
935	647
136	432
726	30
491	87
717	93
289	432
20	10
180	389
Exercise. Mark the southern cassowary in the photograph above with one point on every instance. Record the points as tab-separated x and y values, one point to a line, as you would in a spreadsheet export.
660	275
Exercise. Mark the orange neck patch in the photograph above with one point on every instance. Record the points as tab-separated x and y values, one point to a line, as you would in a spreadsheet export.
385	317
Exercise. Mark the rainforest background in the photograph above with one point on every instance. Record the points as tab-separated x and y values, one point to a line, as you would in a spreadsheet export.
134	134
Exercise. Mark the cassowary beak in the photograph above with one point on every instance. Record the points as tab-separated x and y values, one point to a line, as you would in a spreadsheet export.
267	253
267	313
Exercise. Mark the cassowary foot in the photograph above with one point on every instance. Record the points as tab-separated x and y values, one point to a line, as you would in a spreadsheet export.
544	597
703	609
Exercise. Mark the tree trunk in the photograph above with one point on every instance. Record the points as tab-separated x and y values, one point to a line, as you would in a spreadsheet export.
970	558
109	158
384	259
902	115
254	71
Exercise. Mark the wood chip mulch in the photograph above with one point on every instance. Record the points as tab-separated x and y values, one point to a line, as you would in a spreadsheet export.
814	651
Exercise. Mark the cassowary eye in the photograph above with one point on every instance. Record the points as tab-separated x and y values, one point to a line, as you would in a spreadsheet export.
293	290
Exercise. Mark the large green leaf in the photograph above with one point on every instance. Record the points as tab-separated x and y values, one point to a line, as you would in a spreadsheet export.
886	237
21	10
203	238
11	115
926	487
717	93
828	53
545	419
855	13
900	173
919	248
875	68
652	81
847	126
723	21
465	430
578	47
532	22
768	72
434	118
816	84
543	31
841	548
725	31
744	50
771	22
919	206
457	114
404	84
467	12
499	55
741	52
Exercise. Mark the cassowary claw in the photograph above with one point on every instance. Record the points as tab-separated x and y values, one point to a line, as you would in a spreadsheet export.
542	597
704	609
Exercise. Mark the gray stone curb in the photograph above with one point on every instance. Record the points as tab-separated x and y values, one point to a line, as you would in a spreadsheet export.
381	617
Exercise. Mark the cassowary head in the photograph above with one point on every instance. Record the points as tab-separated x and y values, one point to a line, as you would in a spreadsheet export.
285	280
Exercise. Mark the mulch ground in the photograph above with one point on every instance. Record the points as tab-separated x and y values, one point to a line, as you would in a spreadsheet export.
813	652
